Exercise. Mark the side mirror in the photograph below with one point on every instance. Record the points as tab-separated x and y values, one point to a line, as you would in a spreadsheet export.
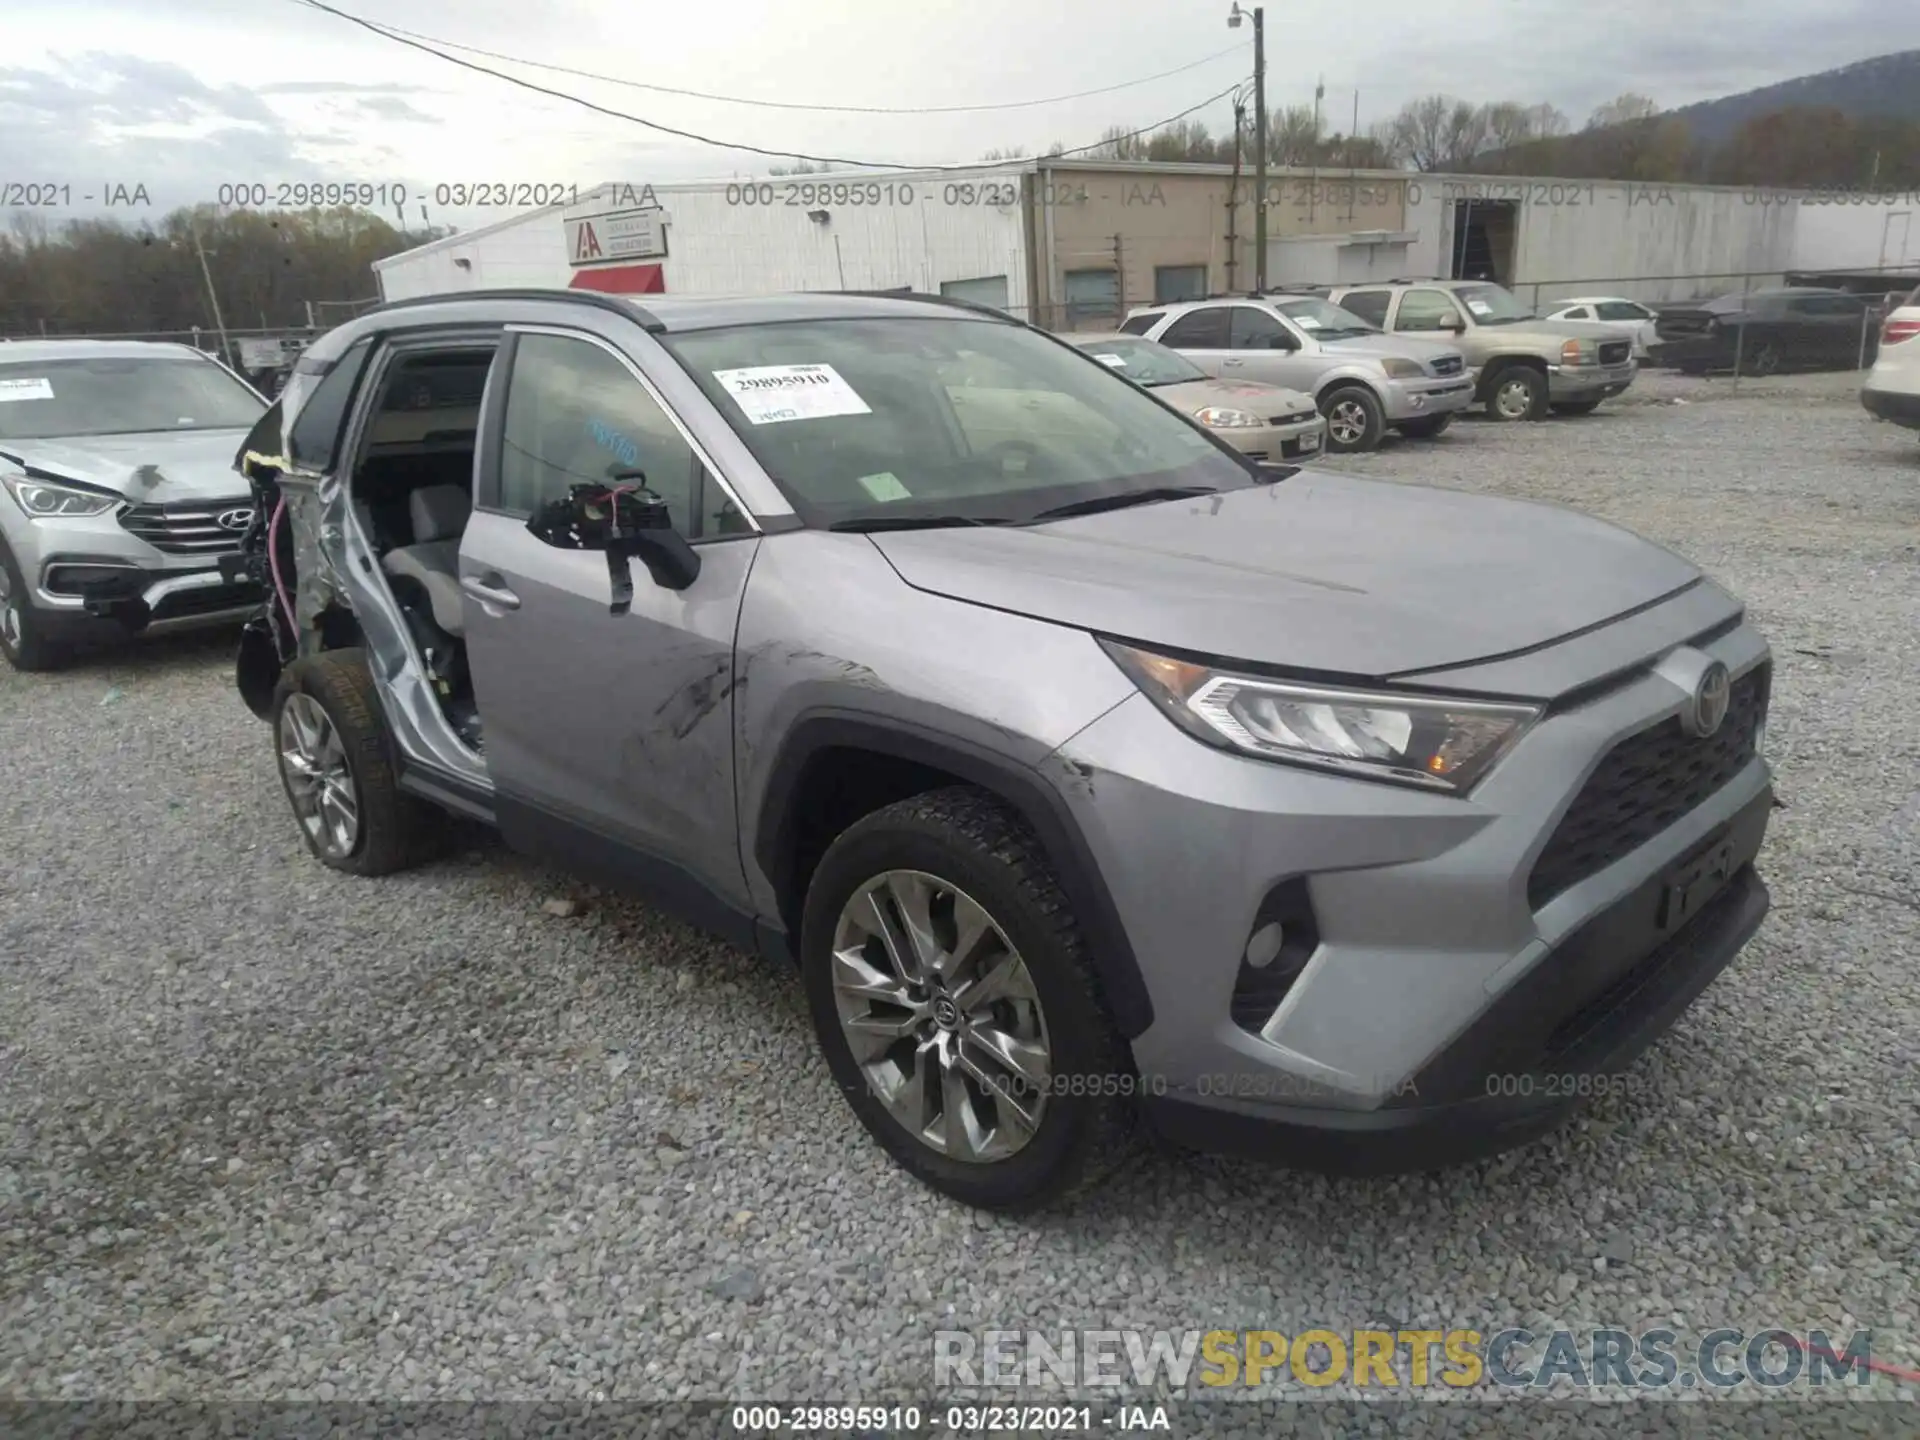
626	522
1453	323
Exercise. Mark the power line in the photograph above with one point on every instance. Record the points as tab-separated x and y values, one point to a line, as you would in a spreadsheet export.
708	139
395	30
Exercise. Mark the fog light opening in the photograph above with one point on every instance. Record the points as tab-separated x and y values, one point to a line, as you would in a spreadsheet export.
1265	945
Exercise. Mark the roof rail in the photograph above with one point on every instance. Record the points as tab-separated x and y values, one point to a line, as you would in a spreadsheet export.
617	304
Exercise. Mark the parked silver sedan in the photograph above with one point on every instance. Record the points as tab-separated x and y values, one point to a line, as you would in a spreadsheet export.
1266	422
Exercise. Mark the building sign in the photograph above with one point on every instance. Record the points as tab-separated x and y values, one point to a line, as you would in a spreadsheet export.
620	235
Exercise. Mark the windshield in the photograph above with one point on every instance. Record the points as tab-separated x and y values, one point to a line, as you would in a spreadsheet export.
67	399
1491	305
900	420
1325	320
1143	362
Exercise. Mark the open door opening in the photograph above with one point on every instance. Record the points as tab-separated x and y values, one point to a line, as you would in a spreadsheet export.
1485	233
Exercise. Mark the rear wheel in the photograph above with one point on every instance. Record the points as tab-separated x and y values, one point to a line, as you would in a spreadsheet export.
21	640
336	765
1427	428
1355	421
958	1010
1762	360
1518	392
1575	407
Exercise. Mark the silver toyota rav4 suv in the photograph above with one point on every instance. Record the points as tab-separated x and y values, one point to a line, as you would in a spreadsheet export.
1092	774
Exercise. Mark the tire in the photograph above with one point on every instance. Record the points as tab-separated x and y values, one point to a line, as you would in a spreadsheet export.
1428	429
1353	412
1692	368
1575	407
1515	393
980	850
1761	361
21	638
326	718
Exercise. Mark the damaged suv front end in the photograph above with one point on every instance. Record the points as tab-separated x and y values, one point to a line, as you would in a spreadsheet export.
117	500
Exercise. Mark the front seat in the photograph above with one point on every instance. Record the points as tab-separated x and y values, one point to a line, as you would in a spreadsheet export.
439	513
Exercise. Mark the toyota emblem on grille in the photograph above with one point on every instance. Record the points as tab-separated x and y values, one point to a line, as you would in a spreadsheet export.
1710	698
234	519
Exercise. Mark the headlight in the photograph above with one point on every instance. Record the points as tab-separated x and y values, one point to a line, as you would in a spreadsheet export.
1220	418
43	498
1398	369
1427	740
1579	352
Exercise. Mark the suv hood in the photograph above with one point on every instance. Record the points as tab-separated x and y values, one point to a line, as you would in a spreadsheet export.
1556	331
1405	346
148	467
1325	573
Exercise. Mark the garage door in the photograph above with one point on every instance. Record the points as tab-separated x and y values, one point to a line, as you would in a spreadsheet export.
1093	297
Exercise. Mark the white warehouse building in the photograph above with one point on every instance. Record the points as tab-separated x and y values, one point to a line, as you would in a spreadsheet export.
1072	244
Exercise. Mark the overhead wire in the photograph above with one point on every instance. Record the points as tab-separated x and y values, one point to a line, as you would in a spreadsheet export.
699	138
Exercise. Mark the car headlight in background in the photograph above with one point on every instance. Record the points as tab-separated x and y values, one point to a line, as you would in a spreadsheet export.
1432	741
1579	352
1398	369
1225	419
43	499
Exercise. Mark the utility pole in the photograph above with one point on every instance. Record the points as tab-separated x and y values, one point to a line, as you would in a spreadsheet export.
226	350
1259	137
1233	191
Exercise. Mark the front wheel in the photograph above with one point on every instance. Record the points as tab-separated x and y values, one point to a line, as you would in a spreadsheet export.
1427	428
953	997
1355	421
1575	407
337	768
21	640
1518	393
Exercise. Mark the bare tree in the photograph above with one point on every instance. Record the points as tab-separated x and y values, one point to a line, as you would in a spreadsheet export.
1623	110
1008	152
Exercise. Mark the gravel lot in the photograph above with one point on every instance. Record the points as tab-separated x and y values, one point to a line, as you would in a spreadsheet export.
273	1132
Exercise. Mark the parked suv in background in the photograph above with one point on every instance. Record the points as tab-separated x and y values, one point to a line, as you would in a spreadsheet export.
1892	389
1363	382
1525	364
117	493
1088	770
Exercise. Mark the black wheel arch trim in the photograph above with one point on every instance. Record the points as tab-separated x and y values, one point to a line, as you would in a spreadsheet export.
1037	799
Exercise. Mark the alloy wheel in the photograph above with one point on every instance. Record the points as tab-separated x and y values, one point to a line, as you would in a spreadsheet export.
11	632
1514	399
1764	360
1347	422
941	1016
319	781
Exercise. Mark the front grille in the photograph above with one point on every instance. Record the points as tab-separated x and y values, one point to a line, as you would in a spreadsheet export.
1615	352
1449	365
187	527
1644	784
1298	418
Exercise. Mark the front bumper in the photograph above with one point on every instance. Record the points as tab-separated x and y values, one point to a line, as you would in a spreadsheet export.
1893	405
1588	382
1421	929
89	576
1419	399
1512	1106
1303	440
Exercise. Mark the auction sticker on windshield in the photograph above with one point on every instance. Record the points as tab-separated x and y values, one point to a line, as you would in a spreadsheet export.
770	394
1306	322
26	390
1479	307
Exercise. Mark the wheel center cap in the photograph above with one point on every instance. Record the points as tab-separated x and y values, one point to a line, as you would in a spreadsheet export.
946	1014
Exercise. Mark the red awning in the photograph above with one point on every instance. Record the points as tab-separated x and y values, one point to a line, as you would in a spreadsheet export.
621	280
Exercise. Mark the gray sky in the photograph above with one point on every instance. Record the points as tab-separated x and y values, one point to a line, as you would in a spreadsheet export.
185	97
